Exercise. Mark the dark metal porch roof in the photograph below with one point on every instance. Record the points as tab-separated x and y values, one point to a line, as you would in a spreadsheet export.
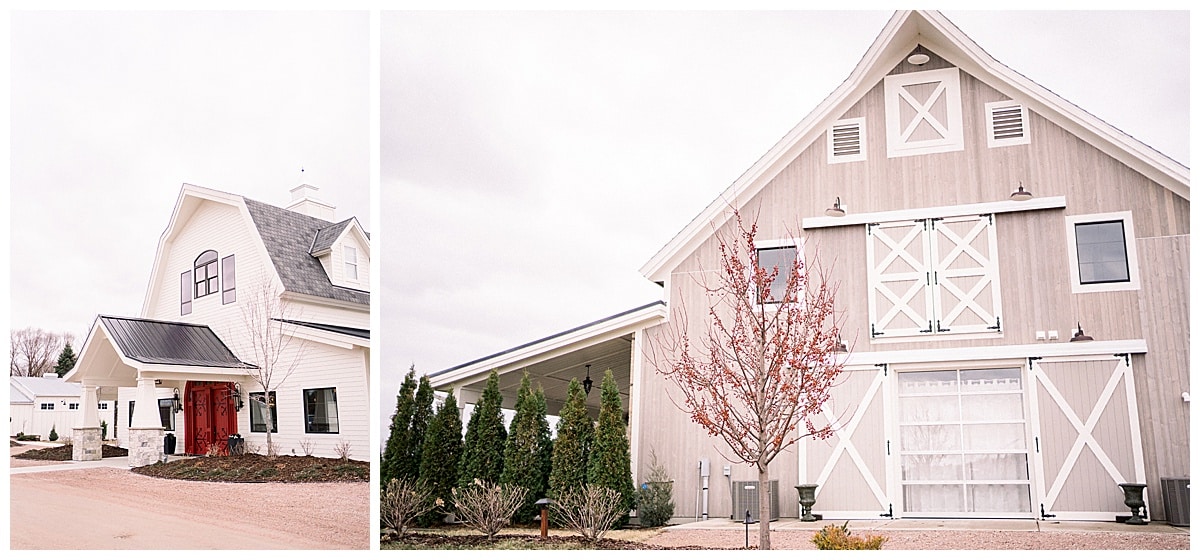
168	343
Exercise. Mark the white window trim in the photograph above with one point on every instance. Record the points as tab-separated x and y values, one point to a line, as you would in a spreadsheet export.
892	87
862	140
992	141
1126	218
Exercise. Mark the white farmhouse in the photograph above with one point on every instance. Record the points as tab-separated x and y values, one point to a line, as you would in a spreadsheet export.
186	365
40	404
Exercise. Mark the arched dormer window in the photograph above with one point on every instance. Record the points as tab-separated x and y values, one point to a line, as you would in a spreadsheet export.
205	274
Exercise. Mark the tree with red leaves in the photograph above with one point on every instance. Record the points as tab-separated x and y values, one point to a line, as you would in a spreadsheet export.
767	361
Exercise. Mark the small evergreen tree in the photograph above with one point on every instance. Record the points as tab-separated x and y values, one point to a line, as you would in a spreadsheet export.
546	443
569	464
410	463
609	464
399	436
440	455
526	451
66	360
483	446
53	434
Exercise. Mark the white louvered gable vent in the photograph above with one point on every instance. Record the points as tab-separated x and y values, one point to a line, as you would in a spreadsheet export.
847	140
1007	124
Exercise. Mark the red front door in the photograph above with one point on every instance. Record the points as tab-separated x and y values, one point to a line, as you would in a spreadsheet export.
210	416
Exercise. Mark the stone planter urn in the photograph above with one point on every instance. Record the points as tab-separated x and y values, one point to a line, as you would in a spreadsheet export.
1133	499
808	497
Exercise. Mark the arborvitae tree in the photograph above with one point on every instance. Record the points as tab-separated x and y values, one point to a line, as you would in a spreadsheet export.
440	455
527	450
547	444
609	465
483	447
66	360
410	465
569	464
399	437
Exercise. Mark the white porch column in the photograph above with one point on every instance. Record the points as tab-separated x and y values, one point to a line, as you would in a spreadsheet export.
636	357
146	431
86	440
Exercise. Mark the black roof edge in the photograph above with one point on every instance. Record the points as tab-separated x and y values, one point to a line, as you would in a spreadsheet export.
551	337
364	334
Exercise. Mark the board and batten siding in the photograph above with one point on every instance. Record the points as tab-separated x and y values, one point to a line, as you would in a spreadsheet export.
679	445
1161	376
1032	252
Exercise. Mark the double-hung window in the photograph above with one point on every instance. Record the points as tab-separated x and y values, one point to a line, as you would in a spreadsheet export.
350	255
1101	252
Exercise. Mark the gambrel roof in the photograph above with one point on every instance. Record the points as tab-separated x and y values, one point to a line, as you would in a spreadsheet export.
288	239
900	36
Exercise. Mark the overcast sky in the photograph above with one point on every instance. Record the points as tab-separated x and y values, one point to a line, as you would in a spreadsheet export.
111	112
532	162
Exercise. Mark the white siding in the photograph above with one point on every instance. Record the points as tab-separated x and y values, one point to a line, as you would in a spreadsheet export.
320	366
336	266
126	394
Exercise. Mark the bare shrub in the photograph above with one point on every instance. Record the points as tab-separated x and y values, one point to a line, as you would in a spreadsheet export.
590	510
215	450
488	507
402	502
832	537
272	448
253	448
306	445
342	449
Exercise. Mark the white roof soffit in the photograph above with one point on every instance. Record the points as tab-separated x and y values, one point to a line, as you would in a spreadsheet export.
521	356
899	36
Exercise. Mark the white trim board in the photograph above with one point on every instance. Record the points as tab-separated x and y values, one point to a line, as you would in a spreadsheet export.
1000	207
1019	351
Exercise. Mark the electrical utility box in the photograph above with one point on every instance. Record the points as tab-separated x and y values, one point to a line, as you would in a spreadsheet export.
745	497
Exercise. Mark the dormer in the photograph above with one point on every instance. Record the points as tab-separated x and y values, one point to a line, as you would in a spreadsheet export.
344	251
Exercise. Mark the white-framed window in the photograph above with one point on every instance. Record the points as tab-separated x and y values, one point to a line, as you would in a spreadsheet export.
776	253
47	406
73	406
846	140
1101	252
350	255
923	112
1007	123
933	276
102	406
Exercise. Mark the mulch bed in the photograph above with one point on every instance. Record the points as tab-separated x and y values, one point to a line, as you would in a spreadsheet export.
258	468
419	540
63	453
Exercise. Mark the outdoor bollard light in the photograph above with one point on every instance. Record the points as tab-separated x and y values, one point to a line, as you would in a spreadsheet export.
544	504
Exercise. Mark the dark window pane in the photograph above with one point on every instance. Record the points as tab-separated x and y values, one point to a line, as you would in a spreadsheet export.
166	414
229	280
781	257
257	416
320	411
1101	252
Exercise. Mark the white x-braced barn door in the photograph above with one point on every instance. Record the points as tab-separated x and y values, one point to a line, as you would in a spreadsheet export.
933	276
850	468
1086	438
966	286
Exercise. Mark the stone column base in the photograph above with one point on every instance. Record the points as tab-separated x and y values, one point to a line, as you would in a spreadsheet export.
86	444
146	446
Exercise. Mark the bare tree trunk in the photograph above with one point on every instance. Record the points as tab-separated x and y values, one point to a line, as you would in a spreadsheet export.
764	510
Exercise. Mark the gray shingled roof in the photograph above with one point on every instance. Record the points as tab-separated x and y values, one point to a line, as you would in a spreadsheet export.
289	237
168	343
351	331
327	235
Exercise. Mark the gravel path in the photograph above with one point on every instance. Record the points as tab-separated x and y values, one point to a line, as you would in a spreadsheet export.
107	508
942	540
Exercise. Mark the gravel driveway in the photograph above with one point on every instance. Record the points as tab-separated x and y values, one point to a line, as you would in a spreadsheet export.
110	508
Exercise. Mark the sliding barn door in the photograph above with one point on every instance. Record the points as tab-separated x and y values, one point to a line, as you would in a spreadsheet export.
1086	435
